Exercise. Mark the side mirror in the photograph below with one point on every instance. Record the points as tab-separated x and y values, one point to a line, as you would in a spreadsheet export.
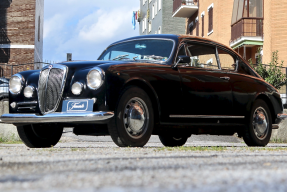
182	59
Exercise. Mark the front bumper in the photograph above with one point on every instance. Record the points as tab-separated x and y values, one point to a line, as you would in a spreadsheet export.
55	117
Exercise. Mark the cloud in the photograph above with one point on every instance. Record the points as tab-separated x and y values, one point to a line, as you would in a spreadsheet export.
108	25
85	28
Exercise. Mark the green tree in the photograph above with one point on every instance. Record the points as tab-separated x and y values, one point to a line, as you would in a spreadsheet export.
271	73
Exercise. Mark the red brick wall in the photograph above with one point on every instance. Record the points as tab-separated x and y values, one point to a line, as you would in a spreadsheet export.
21	22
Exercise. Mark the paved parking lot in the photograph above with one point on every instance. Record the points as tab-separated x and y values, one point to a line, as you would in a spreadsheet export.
95	164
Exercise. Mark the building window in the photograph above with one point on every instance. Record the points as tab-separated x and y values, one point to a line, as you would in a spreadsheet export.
152	11
155	32
159	4
144	24
210	19
159	30
197	26
155	7
149	27
39	28
149	1
202	23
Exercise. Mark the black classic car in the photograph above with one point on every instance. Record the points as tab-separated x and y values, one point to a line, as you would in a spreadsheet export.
167	85
4	88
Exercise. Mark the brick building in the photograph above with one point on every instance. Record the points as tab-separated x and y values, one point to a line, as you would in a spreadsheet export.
155	18
21	34
244	25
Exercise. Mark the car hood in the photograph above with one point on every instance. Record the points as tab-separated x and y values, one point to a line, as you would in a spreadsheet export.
77	65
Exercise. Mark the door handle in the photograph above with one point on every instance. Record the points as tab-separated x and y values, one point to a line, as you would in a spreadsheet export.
225	78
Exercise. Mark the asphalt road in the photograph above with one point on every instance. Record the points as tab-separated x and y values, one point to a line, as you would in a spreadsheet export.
89	164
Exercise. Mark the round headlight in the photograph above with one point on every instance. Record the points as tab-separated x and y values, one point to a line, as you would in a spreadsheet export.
15	84
77	88
29	91
95	78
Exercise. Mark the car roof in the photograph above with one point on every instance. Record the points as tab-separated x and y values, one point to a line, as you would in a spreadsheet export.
176	38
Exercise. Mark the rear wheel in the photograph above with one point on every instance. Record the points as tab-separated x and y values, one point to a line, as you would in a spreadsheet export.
40	136
172	141
133	122
259	125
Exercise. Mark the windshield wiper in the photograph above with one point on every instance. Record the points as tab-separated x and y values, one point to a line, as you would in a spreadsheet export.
119	57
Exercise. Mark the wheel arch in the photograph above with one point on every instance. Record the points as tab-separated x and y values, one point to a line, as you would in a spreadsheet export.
267	100
150	91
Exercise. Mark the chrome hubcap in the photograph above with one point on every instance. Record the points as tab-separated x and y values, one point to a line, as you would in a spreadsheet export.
260	123
136	117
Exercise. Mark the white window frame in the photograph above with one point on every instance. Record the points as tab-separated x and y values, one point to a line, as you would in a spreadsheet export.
209	61
159	4
159	30
202	14
210	6
152	11
149	1
149	27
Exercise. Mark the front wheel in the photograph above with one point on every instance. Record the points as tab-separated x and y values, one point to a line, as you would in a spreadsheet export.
172	141
259	125
40	136
133	122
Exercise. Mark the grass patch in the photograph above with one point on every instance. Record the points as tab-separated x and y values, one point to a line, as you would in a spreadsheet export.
265	148
7	141
78	149
278	141
13	139
196	148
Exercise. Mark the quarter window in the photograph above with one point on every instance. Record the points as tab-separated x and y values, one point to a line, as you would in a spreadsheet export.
227	61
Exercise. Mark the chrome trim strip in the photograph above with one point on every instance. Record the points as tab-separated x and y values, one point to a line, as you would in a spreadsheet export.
31	107
171	53
27	103
207	116
55	117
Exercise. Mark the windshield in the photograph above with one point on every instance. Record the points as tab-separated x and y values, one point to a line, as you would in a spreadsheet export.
148	49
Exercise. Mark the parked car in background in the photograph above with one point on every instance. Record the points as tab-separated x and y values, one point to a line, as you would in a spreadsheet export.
4	88
168	85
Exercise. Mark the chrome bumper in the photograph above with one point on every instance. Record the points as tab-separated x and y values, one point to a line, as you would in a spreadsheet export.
55	117
281	115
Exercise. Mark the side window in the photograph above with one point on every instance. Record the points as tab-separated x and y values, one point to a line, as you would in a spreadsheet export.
202	56
227	61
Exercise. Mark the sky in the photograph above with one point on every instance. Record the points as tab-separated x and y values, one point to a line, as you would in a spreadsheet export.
85	27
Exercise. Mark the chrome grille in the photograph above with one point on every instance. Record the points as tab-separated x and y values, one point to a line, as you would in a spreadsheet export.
50	87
